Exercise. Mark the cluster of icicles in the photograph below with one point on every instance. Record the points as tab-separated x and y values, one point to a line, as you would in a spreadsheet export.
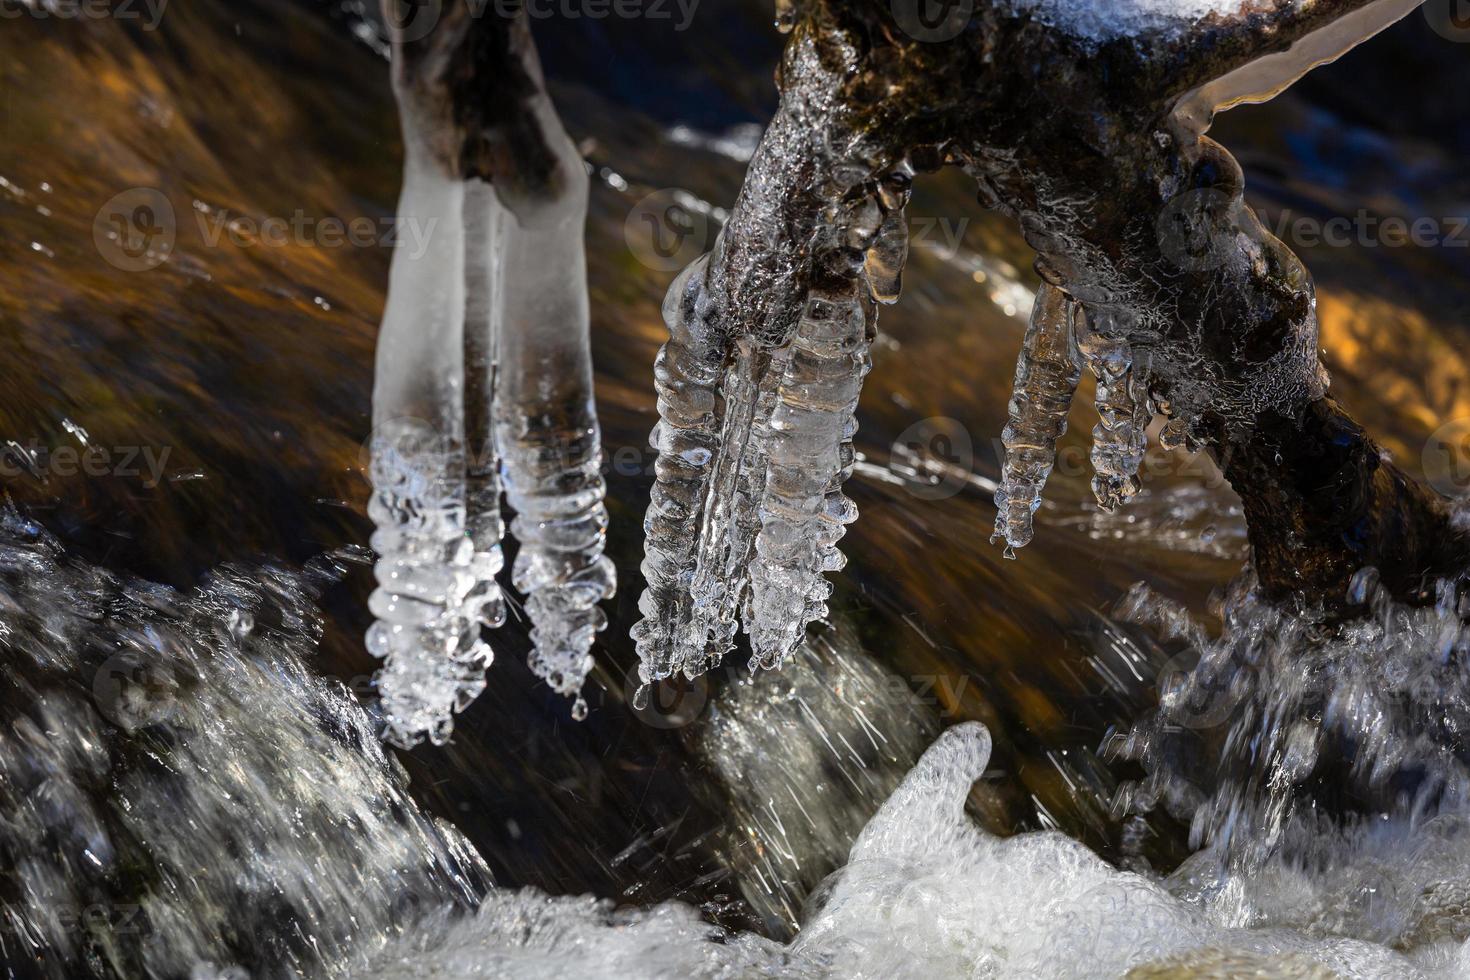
754	443
483	385
1060	340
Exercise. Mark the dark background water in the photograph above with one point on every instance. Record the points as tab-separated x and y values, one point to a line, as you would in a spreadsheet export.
250	364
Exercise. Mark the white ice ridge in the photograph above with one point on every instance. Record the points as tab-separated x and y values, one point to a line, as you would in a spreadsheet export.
1105	20
483	378
927	893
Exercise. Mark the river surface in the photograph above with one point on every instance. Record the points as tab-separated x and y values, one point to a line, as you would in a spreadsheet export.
202	400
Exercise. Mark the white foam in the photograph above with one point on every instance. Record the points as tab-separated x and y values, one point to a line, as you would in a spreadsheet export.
926	893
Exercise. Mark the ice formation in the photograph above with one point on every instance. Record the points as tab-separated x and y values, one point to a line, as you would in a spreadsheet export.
484	384
757	390
1104	20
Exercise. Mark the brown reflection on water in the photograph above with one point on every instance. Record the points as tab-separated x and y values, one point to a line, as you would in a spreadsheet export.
252	364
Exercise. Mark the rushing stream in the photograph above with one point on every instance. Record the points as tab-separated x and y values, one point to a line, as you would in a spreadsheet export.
969	767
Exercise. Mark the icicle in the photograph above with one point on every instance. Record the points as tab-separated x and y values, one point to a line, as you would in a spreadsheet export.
722	566
483	220
547	431
434	661
730	379
1121	436
818	395
1047	373
687	375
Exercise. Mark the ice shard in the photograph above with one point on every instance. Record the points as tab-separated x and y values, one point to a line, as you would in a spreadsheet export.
484	383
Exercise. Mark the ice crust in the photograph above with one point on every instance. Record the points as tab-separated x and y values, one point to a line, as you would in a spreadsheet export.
1104	20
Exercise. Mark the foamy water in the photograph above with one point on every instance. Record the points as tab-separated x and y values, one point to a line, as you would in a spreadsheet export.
926	893
232	815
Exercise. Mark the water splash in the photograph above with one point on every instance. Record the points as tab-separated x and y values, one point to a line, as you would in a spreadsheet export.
183	794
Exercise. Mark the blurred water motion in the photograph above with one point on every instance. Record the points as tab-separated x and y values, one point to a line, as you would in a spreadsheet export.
241	361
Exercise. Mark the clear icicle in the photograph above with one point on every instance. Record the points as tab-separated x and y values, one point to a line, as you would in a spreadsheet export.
434	661
1047	373
546	426
727	547
483	221
814	407
1120	437
687	375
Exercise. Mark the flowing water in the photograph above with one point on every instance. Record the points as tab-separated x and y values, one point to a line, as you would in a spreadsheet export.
191	784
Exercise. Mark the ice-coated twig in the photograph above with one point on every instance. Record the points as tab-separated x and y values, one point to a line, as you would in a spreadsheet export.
756	420
731	316
1047	373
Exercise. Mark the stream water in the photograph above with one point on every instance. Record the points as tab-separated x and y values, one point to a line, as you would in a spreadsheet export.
191	785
